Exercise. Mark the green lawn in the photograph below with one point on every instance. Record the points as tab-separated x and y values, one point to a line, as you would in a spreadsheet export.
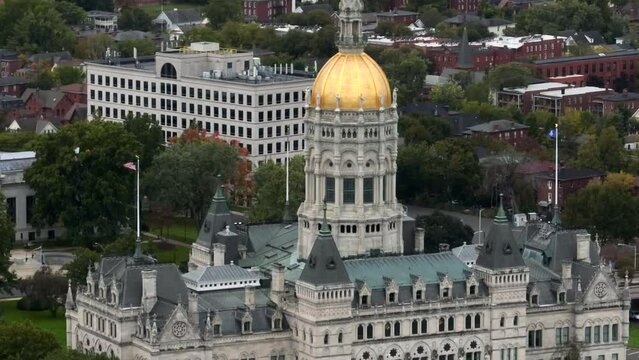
155	9
40	319
180	229
633	340
168	253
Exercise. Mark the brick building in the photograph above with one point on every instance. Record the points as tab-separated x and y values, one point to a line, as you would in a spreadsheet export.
503	130
464	5
267	10
605	67
523	97
14	86
46	103
501	50
77	93
570	181
606	104
397	16
558	101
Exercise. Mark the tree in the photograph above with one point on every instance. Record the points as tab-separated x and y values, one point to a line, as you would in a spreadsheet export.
94	47
509	75
73	14
406	70
134	19
449	93
270	190
19	141
22	340
144	47
184	177
486	111
68	354
34	26
79	179
149	135
603	152
392	29
443	229
46	288
105	5
430	16
77	269
7	235
43	77
65	75
417	128
221	11
591	207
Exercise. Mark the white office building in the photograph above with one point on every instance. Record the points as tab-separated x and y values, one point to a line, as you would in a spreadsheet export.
224	91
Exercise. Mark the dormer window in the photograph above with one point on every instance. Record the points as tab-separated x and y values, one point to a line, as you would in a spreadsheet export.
363	300
472	290
391	298
562	297
391	291
217	329
277	324
445	293
534	299
247	327
445	287
419	295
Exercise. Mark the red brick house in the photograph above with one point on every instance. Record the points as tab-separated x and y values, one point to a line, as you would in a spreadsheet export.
266	10
606	66
570	181
503	130
13	86
46	103
77	93
464	5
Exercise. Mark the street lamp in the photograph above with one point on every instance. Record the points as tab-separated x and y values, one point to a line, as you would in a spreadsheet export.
479	232
635	249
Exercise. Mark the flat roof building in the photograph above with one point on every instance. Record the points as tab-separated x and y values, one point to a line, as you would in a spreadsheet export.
223	91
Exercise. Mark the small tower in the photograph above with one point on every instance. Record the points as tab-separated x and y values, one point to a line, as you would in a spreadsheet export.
501	266
325	293
465	57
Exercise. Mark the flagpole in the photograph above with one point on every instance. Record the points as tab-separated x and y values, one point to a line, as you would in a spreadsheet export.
556	168
137	170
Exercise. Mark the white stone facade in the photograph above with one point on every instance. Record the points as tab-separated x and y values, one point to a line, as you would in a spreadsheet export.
223	91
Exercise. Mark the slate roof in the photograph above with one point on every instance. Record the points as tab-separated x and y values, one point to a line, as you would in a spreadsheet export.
401	268
53	57
217	219
566	174
459	19
12	80
326	8
47	98
616	97
78	88
220	273
274	244
497	126
324	265
466	252
500	250
184	16
15	165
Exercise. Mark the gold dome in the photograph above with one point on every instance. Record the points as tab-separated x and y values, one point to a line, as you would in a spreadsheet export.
351	76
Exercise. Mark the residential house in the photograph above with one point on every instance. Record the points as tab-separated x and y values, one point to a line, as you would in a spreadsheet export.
10	104
584	38
77	93
606	104
9	62
570	181
631	142
267	10
177	21
503	130
103	20
46	103
397	16
12	85
78	112
35	125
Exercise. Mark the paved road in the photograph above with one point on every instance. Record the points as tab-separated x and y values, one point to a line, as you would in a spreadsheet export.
632	354
468	219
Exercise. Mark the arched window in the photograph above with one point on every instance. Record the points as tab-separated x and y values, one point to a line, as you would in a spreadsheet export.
397	328
326	339
424	326
387	329
442	324
415	327
502	321
477	321
168	71
451	323
339	338
469	322
360	332
369	331
515	320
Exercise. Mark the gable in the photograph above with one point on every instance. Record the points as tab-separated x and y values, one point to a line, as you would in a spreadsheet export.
601	289
178	327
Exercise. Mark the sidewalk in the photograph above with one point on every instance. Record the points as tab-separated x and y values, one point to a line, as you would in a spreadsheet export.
26	262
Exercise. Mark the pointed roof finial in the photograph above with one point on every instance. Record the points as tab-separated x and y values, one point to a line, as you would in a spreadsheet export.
324	230
70	304
501	213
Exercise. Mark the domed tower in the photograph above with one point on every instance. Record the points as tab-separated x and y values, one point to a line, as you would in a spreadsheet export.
351	149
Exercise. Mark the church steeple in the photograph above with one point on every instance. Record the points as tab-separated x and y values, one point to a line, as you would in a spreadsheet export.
324	265
465	57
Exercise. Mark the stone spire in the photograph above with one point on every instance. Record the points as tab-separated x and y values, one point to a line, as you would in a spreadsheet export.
350	37
500	250
324	265
465	56
69	304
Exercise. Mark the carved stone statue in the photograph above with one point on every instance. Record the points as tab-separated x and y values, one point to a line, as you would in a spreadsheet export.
337	99
395	96
361	101
317	100
307	96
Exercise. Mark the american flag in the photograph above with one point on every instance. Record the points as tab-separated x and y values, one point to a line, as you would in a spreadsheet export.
130	165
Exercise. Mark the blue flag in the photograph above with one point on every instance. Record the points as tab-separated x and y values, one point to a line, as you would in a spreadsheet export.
552	133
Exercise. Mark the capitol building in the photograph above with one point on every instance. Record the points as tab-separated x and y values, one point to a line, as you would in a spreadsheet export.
349	280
